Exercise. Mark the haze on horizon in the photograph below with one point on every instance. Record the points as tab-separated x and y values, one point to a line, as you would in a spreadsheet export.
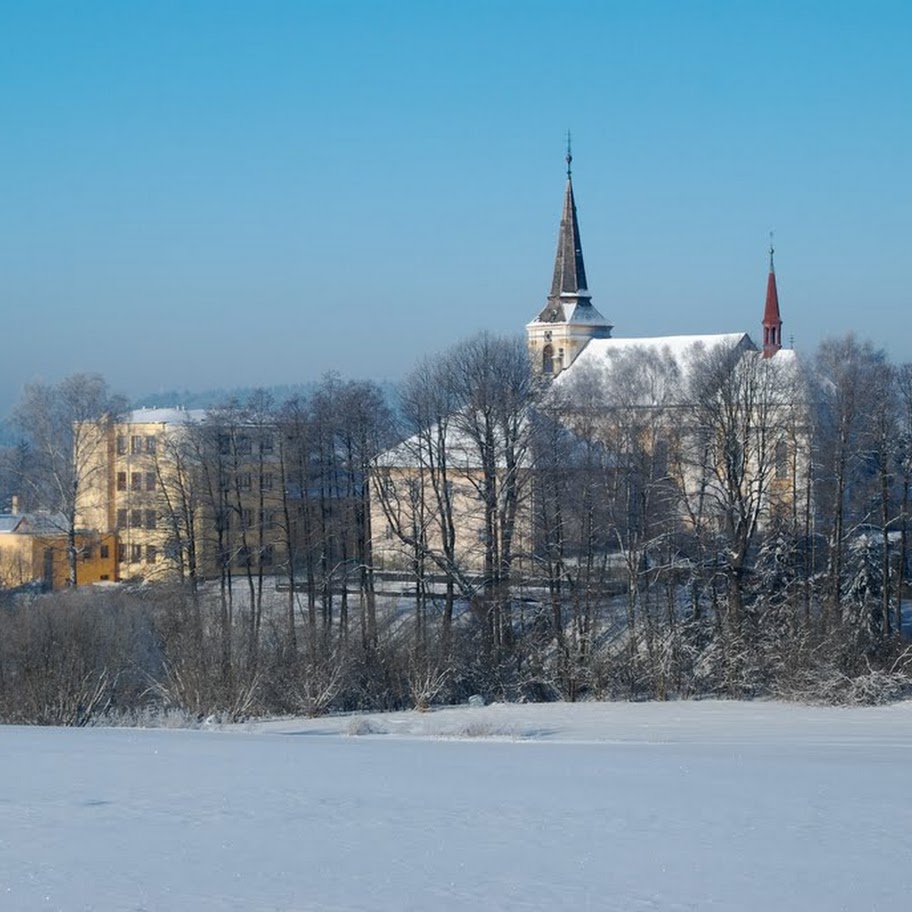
202	196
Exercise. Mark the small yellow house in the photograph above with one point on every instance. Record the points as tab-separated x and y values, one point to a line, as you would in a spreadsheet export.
34	550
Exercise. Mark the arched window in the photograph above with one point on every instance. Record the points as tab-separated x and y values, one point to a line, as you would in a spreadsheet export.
548	359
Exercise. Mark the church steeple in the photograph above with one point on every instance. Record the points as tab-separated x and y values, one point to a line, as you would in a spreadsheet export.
569	269
568	320
772	323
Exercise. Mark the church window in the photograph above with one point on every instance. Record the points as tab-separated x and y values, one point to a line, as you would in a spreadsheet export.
548	359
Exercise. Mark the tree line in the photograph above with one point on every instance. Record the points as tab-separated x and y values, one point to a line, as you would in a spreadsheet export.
730	526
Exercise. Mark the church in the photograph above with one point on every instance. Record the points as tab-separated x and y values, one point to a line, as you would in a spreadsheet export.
570	331
710	421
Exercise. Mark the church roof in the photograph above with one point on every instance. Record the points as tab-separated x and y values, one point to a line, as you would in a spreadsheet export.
569	300
683	351
569	269
771	310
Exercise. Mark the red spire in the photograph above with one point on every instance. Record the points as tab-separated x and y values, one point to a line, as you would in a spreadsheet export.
772	323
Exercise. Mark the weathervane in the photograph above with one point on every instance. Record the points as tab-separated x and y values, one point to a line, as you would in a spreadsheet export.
569	156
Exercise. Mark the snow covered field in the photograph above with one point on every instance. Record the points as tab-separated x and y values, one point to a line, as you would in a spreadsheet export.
747	806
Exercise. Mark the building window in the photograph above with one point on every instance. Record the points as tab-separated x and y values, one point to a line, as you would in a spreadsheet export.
224	445
246	518
121	445
150	481
121	519
136	481
243	557
121	553
150	519
268	556
266	481
266	445
121	481
104	552
136	446
244	481
136	519
244	445
151	445
151	554
782	459
87	553
135	554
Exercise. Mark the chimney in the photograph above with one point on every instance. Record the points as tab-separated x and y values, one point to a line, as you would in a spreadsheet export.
14	505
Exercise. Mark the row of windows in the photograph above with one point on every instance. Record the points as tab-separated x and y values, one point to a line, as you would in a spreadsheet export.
137	481
244	481
87	553
137	445
136	519
243	445
135	554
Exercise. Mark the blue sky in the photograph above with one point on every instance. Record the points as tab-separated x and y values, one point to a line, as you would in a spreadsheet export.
202	194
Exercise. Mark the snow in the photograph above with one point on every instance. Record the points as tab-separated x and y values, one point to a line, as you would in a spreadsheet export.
685	806
682	350
166	416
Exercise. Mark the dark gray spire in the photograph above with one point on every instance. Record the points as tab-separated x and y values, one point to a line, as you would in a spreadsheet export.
569	297
569	270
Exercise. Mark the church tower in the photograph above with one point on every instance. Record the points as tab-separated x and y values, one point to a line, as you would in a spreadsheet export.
772	324
568	320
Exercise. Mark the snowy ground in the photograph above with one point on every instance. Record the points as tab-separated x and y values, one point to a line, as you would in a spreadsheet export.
601	806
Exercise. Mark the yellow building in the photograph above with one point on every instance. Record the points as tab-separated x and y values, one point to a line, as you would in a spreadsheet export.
34	548
187	494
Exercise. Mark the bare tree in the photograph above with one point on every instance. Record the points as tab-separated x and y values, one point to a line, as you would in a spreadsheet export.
67	426
847	391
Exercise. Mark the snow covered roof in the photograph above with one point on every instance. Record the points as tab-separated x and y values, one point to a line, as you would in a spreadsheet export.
683	350
165	416
614	366
572	310
9	521
462	451
40	523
